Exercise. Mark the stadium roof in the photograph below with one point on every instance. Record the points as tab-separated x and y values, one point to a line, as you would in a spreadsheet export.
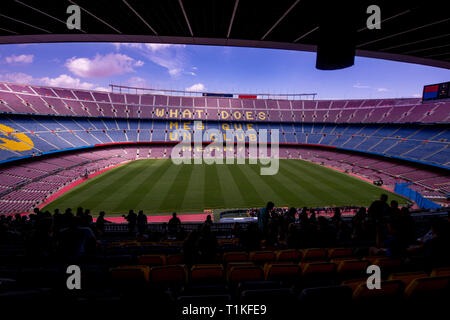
411	31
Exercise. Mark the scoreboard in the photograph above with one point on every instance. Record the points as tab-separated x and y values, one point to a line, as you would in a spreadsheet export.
436	91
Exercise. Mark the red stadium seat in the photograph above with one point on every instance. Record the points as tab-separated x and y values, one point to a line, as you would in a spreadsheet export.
407	277
288	255
168	274
206	272
245	273
340	253
261	256
314	254
234	257
289	272
152	259
391	290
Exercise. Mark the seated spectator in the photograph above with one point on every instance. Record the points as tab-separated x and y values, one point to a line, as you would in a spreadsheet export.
395	245
435	245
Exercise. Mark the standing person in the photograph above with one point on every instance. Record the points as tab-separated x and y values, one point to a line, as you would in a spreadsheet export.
174	224
337	217
379	209
141	222
101	221
208	220
131	218
377	213
264	215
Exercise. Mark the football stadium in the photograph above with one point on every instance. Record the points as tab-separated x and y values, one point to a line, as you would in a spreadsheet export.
225	200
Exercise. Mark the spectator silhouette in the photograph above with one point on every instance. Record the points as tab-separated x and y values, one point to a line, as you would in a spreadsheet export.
131	218
101	221
208	220
141	222
190	249
264	215
207	245
174	224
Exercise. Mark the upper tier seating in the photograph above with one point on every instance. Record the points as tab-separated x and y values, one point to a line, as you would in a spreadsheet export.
55	101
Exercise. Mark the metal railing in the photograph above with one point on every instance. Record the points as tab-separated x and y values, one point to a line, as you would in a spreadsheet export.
183	93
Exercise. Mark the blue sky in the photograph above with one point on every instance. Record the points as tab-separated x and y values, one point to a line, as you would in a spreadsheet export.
209	68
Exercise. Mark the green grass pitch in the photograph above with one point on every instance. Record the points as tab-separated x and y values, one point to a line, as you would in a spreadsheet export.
159	186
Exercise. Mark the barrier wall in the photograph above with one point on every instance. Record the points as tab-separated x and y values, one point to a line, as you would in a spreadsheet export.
402	189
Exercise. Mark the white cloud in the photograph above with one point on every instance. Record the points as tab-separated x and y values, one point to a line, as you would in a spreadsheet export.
62	80
191	73
360	86
66	81
196	87
18	77
128	45
102	66
20	59
137	82
194	68
417	95
169	56
158	46
102	89
382	89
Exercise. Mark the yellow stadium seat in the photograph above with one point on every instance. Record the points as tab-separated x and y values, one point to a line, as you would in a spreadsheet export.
129	243
423	287
388	290
407	277
440	272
